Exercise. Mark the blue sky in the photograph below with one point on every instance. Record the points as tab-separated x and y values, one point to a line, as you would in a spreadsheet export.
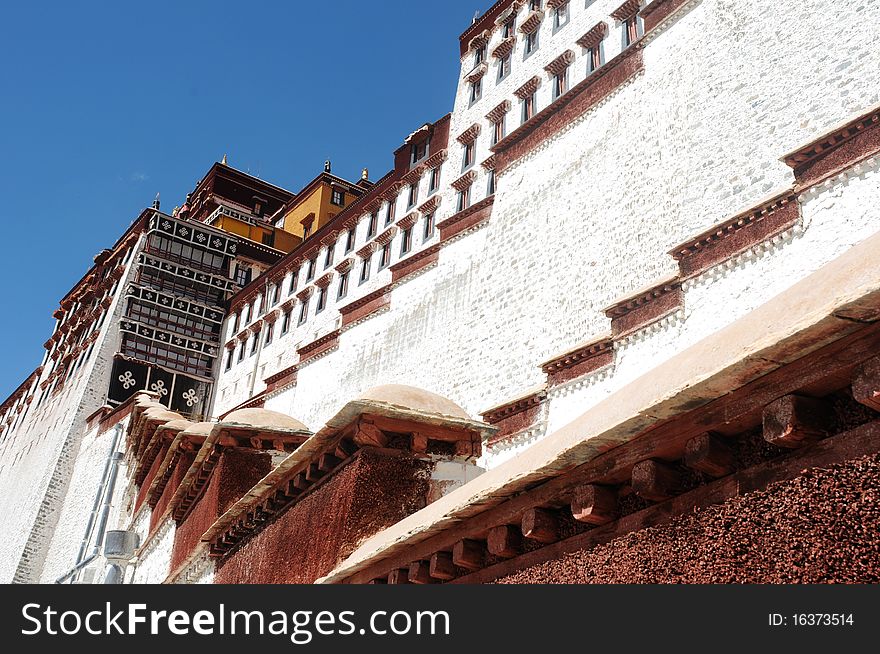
105	104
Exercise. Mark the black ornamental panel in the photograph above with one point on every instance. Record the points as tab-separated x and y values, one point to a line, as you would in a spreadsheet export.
190	395
128	378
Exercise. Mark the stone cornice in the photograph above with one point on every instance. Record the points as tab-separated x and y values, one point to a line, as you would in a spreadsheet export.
528	88
737	234
498	112
464	181
627	10
593	36
561	62
431	205
470	134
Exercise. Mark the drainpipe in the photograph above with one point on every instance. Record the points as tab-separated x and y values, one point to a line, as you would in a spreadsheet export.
104	477
105	490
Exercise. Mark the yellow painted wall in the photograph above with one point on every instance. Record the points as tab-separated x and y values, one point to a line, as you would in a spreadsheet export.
317	202
282	241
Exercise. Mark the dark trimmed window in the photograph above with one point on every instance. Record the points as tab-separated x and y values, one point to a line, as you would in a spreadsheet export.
406	241
342	290
349	240
464	199
434	183
285	323
428	231
373	225
337	197
385	256
322	300
413	196
469	155
365	269
392	208
528	107
328	256
310	271
303	311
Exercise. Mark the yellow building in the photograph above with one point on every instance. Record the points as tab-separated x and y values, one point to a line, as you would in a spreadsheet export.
316	204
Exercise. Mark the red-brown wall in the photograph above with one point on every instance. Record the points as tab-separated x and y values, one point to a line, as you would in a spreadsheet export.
371	493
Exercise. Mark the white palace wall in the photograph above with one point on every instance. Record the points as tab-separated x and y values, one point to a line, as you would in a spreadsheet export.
591	214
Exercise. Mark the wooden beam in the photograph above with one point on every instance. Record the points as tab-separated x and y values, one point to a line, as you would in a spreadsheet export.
314	473
823	371
300	482
866	384
469	554
419	443
420	573
794	420
655	481
504	541
540	525
398	576
328	462
710	455
594	504
368	435
859	442
442	567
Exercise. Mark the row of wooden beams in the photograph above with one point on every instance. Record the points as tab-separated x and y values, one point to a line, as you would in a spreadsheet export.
791	421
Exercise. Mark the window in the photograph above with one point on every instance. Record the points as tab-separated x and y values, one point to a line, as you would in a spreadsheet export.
531	42
337	198
560	16
560	83
307	230
385	256
468	158
303	311
632	29
476	90
342	291
276	291
418	151
245	315
254	340
374	224
349	240
528	107
285	323
406	241
389	216
242	275
508	28
293	277
534	5
269	328
491	186
322	300
434	183
595	58
328	256
241	352
429	226
498	131
365	269
464	199
479	56
310	271
229	356
504	67
413	195
235	323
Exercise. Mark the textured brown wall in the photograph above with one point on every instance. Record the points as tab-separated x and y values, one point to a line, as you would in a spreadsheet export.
371	493
184	461
236	473
820	527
